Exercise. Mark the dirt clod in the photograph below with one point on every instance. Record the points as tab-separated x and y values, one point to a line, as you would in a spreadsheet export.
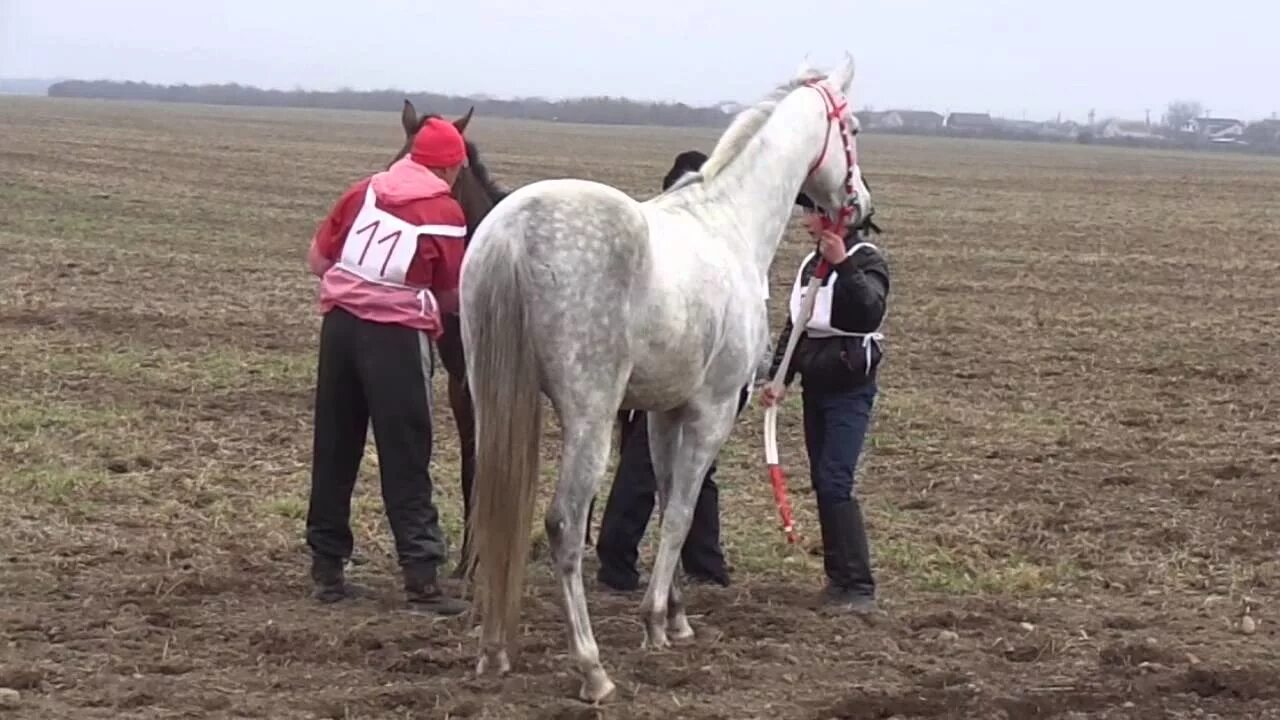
10	698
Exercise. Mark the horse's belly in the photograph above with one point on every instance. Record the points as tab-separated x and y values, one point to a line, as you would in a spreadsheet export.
675	372
658	391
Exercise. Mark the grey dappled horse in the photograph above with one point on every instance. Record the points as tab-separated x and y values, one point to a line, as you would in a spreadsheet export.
573	289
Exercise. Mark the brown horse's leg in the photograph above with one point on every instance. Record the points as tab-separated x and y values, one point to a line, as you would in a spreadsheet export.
464	419
451	356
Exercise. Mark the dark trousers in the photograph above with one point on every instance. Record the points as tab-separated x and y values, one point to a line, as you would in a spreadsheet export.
835	428
631	502
380	373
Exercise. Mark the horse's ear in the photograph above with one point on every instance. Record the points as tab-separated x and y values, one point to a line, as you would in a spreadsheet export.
842	77
461	123
806	68
409	118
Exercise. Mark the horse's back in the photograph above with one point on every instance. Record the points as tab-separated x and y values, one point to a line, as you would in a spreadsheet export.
556	215
581	247
622	295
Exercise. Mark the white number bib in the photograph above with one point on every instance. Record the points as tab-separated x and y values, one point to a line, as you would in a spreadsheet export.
380	246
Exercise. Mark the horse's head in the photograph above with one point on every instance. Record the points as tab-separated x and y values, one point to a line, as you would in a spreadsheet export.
474	190
834	184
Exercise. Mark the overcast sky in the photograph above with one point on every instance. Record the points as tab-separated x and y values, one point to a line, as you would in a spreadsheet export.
1011	57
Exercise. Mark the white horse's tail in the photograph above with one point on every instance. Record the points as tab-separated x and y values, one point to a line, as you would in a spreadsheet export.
503	372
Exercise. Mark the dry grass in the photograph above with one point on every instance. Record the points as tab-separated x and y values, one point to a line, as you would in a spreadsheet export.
1077	430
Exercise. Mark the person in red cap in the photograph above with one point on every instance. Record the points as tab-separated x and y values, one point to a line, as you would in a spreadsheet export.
388	257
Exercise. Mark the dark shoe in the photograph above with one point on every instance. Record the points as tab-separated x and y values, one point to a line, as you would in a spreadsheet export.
720	579
327	576
425	594
857	602
845	552
616	583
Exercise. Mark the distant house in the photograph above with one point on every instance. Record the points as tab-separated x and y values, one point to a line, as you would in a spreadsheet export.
917	120
1114	129
871	120
1016	125
969	122
1218	130
921	121
1059	130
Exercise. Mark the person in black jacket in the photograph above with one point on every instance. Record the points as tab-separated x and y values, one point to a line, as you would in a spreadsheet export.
837	359
632	497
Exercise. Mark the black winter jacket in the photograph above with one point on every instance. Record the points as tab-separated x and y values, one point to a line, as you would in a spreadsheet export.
859	301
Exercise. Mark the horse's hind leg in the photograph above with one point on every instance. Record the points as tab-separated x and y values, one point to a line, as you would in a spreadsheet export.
663	432
586	454
701	431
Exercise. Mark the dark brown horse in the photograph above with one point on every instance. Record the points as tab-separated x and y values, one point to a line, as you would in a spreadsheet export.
477	194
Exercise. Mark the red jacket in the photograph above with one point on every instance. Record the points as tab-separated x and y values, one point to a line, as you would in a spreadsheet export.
419	284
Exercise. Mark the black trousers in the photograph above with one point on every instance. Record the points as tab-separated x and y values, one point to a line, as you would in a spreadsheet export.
380	373
631	502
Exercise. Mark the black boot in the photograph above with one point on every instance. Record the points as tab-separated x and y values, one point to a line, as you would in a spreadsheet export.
424	593
328	577
847	557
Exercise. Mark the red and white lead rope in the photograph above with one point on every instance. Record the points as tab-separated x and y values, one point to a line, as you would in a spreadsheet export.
776	477
836	107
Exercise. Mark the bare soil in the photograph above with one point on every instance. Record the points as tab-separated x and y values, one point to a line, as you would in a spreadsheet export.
1071	479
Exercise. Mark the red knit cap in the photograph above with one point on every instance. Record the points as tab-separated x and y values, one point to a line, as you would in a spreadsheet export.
438	144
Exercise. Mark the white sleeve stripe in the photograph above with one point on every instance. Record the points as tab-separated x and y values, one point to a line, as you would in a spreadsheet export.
443	230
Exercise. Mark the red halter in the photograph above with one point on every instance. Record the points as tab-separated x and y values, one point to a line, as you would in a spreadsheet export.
836	107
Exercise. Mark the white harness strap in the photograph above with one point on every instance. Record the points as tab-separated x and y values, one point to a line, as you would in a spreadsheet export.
819	325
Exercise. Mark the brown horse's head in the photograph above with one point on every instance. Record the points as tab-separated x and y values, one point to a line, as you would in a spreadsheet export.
474	189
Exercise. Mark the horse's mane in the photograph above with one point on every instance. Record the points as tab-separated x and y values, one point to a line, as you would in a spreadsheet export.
481	174
748	122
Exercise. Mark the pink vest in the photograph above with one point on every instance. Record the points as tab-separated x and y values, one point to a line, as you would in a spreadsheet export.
369	278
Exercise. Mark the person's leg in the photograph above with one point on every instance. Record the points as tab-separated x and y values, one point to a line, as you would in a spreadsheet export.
813	433
845	420
341	419
395	365
627	511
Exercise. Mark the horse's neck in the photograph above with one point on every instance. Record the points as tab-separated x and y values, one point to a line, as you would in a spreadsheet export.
760	188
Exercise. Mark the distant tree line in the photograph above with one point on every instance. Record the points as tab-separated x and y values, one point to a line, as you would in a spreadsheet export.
600	110
1262	136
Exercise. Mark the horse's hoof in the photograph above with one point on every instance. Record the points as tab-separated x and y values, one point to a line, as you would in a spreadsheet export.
656	640
497	662
597	687
655	631
680	628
